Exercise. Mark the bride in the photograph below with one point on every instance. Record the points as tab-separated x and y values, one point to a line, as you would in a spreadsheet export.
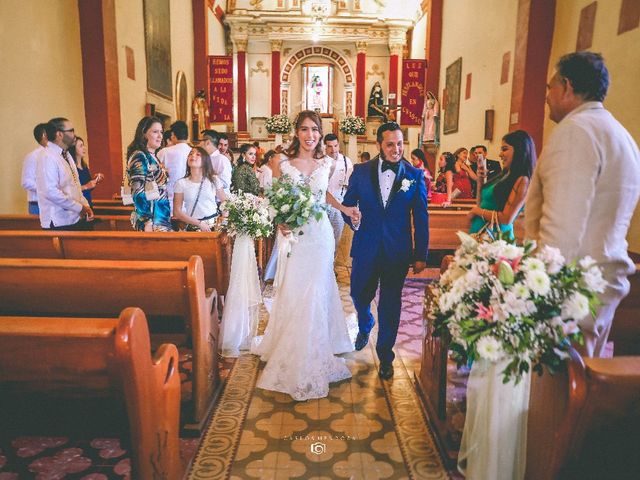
307	325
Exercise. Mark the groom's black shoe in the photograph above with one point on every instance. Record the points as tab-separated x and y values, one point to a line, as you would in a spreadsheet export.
361	340
386	371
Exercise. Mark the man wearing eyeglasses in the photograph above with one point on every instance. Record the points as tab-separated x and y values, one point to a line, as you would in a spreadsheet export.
62	205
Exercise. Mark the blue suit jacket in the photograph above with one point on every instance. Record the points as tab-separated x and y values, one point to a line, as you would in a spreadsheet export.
389	228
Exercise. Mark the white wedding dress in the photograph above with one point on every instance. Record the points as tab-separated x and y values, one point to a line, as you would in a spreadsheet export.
307	325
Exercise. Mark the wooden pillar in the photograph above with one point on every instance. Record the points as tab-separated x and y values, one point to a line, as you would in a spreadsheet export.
534	34
276	47
101	91
394	61
361	68
200	45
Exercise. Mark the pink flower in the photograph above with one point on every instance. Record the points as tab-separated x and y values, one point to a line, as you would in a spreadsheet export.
485	313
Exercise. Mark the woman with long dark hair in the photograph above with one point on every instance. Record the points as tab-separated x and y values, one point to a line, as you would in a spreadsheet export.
244	177
148	179
462	175
78	152
444	183
194	197
307	325
503	197
419	160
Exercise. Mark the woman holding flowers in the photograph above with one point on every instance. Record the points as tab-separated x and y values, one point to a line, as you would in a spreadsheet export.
503	198
307	326
194	198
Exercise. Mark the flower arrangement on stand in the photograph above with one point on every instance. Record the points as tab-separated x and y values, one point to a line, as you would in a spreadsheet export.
279	124
247	214
352	125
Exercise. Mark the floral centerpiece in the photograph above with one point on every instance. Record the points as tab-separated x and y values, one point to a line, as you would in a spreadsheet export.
502	302
248	215
292	203
278	123
351	125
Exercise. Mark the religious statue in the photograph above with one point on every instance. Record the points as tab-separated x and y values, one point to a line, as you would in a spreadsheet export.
316	95
429	133
200	113
376	100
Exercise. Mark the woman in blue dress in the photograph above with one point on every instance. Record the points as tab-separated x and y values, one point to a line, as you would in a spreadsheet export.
505	195
148	179
88	182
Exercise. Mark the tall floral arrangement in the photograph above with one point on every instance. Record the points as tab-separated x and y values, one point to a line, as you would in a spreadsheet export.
500	301
351	125
248	215
278	123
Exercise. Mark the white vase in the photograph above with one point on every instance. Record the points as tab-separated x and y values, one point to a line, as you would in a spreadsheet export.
278	140
352	148
494	440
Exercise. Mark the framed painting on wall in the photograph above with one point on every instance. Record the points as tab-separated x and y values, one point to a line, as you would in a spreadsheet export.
318	86
452	105
157	38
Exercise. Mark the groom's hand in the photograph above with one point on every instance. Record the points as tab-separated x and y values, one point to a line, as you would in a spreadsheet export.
419	266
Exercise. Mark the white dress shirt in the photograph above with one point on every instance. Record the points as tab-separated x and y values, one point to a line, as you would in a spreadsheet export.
339	180
29	167
222	168
386	179
59	193
174	159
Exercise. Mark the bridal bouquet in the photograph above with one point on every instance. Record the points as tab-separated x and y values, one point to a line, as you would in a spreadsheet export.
293	204
502	302
352	125
278	123
247	215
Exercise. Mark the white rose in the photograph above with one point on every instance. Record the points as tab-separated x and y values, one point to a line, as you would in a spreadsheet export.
489	348
538	281
575	307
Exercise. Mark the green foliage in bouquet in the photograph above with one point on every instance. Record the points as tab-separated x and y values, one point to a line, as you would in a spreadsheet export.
293	203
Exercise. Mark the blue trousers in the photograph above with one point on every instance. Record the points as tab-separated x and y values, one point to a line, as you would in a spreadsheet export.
366	276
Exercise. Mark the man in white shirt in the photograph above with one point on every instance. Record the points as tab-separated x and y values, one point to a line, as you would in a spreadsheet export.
62	205
174	158
586	184
341	169
29	168
209	140
223	146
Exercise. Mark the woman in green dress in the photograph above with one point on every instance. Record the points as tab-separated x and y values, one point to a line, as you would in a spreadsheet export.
244	177
505	195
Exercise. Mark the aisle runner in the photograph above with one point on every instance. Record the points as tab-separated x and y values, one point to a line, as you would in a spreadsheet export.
364	429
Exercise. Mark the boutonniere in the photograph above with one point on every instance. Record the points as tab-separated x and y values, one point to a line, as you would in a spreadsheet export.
405	185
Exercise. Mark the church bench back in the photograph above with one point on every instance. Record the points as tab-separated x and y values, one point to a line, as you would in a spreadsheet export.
170	292
112	209
101	356
212	247
625	329
32	222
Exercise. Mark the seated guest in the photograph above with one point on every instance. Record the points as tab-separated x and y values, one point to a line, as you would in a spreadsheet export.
78	152
29	168
444	183
418	160
148	179
477	155
265	171
174	157
195	194
365	157
505	193
462	175
62	205
244	177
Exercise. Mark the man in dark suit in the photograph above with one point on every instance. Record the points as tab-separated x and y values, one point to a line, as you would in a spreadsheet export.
391	195
477	154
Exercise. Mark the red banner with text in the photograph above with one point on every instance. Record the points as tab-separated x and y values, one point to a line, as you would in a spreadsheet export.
221	88
412	99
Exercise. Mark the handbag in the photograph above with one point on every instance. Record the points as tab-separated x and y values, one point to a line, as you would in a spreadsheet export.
487	232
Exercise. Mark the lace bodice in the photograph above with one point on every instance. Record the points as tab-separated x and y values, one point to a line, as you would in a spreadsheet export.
318	181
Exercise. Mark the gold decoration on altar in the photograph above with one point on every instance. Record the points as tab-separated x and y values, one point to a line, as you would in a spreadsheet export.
259	69
375	71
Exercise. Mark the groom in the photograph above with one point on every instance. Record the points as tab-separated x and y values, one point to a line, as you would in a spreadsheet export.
389	191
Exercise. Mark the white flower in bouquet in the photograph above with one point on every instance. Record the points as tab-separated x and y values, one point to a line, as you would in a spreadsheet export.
593	280
247	214
552	258
538	281
489	348
575	307
293	203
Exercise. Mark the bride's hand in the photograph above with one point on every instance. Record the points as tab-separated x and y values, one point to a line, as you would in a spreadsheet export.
353	213
284	229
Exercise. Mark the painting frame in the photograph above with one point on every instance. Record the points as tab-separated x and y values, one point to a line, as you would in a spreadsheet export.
328	95
452	105
157	40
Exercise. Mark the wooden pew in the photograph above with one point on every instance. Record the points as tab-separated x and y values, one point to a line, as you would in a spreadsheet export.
32	222
97	357
212	247
107	202
564	409
625	329
170	293
112	209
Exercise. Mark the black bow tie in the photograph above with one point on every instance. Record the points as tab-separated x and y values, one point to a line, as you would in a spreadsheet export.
387	165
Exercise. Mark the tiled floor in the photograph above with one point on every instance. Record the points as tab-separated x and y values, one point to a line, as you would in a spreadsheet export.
365	429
